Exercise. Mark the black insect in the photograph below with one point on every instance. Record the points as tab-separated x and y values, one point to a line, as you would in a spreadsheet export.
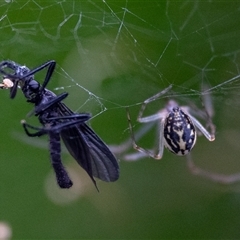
58	120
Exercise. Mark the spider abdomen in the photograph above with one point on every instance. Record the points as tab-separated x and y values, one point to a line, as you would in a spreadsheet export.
179	132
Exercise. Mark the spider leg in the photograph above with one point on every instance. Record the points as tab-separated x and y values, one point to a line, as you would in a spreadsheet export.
146	153
135	156
210	137
207	100
121	148
151	99
161	135
208	106
210	124
215	177
206	114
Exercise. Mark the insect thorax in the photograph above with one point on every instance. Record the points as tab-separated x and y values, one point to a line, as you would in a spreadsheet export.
179	132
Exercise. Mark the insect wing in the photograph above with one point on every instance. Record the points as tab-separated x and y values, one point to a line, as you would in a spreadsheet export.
105	165
91	153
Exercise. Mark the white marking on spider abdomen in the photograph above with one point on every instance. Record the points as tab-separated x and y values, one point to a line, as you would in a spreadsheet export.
179	132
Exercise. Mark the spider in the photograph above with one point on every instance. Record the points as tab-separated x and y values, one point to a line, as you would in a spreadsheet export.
177	128
177	131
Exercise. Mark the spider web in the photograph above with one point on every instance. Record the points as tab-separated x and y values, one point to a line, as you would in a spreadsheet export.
115	54
109	44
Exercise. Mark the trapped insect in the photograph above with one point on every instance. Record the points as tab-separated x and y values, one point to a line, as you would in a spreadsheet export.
58	120
177	131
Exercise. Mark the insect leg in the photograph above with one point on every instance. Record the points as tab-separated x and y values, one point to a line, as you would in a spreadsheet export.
7	64
43	107
55	150
76	119
41	131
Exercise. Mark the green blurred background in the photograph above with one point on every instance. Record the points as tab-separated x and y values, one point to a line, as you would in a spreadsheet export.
113	54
